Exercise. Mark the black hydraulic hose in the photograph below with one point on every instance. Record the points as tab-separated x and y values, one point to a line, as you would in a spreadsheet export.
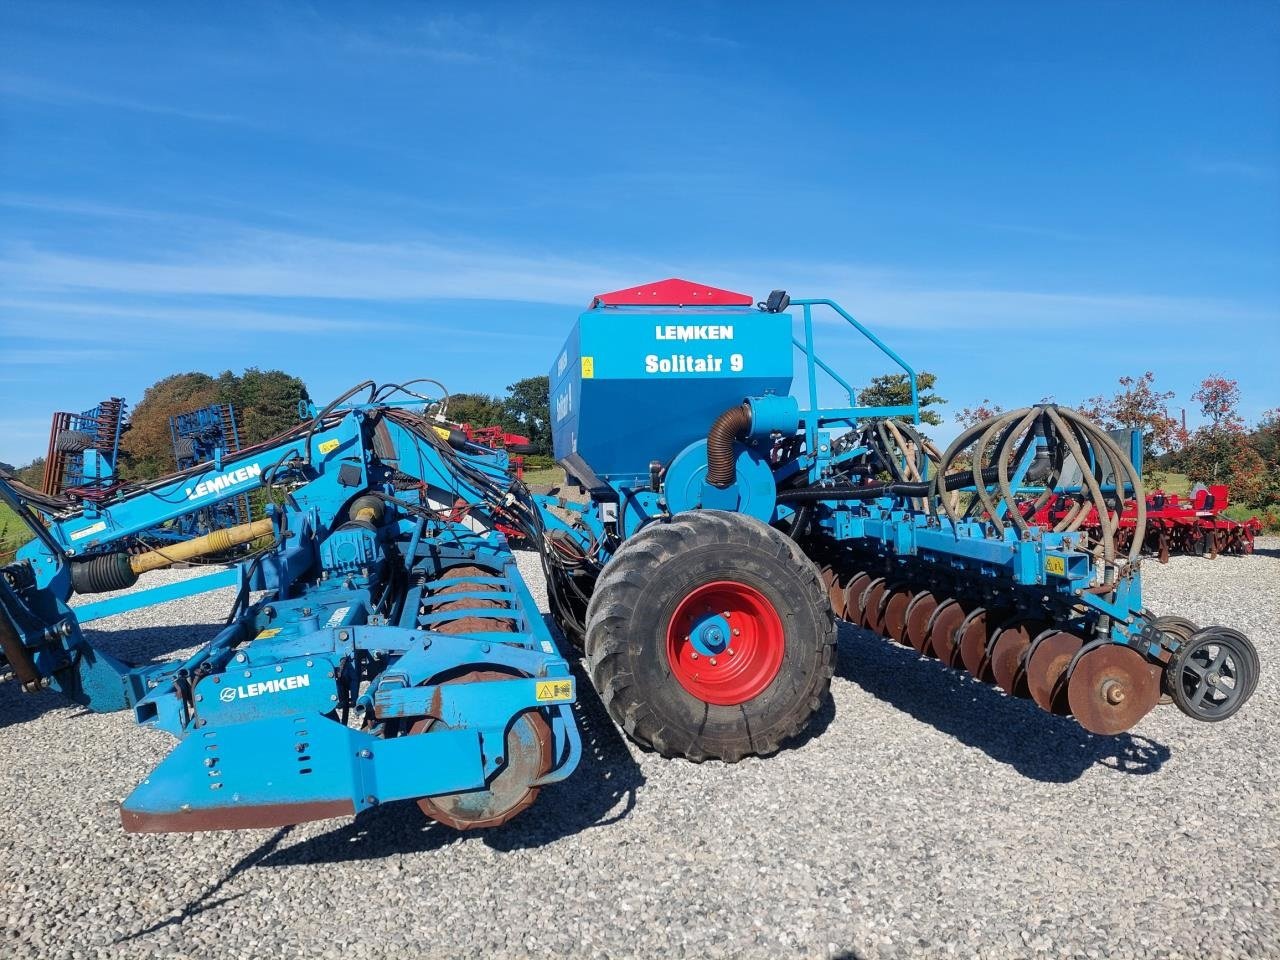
729	426
872	491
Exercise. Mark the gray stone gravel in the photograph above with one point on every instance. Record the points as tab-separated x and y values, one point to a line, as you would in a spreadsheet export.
926	815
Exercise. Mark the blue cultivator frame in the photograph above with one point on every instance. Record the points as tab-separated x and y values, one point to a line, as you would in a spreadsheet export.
388	600
87	468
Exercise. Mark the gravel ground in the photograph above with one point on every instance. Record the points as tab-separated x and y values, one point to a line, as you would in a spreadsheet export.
925	814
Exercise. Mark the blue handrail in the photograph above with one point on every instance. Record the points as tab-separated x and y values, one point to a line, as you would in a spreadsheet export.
814	361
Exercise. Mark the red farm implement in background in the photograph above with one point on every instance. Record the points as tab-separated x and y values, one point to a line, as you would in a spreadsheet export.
496	438
1194	525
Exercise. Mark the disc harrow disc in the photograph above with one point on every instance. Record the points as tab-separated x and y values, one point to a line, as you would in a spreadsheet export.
973	637
835	591
1111	687
895	613
919	614
1008	648
873	605
942	638
1045	667
853	593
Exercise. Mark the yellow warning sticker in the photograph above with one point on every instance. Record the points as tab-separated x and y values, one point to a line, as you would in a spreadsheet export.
268	633
588	367
329	446
441	432
555	691
1056	565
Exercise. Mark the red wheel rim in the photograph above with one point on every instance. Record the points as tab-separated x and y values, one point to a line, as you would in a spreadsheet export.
725	643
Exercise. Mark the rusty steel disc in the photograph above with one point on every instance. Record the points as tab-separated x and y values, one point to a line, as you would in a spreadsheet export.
873	606
942	631
895	613
529	756
1111	687
973	637
1045	667
919	614
853	591
1007	652
835	592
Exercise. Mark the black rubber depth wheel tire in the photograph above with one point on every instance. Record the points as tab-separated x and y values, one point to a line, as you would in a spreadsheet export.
184	448
1195	693
72	441
631	610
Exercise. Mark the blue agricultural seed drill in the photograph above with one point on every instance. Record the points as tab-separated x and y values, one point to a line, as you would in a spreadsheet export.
730	525
382	645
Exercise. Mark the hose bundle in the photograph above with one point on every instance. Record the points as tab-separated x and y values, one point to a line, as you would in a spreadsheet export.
998	444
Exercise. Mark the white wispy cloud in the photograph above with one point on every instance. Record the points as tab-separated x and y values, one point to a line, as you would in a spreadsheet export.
230	260
19	87
56	356
1240	169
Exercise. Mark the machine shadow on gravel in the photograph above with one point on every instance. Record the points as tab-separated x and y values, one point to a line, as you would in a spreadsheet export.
18	707
602	791
139	645
1038	745
144	645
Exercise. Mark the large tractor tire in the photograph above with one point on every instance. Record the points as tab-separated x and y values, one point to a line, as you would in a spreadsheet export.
711	637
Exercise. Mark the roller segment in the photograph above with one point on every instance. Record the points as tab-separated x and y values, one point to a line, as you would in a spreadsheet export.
529	757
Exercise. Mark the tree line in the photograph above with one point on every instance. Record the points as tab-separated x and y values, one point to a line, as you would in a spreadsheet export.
525	409
267	401
1224	449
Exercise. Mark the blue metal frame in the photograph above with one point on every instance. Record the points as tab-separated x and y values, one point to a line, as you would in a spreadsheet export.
350	620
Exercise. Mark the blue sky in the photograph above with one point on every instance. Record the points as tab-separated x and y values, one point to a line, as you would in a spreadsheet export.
1028	199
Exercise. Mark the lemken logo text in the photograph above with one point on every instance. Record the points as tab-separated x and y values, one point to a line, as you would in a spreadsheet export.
229	479
693	331
276	685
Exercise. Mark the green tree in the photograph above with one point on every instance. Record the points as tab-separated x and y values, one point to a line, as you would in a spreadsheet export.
894	389
527	410
146	449
267	401
477	409
1220	451
32	474
1139	405
972	416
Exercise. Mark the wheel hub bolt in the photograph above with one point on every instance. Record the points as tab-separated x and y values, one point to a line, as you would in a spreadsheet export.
1113	693
713	661
1213	679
